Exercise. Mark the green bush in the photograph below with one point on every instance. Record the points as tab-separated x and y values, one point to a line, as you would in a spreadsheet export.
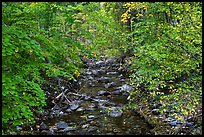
168	60
36	44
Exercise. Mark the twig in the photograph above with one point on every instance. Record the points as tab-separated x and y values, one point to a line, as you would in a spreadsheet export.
63	96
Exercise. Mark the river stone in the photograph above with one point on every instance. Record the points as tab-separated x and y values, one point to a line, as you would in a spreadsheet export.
62	125
112	73
98	100
91	105
168	119
65	114
122	80
189	124
90	84
173	123
91	116
56	112
157	105
190	119
52	131
88	78
109	96
121	70
90	109
88	120
101	72
80	109
68	110
12	133
88	73
95	72
86	97
104	68
109	85
82	132
56	107
104	79
177	128
91	129
109	61
115	112
99	63
45	132
73	105
179	122
155	111
43	126
125	88
69	129
117	92
116	130
18	127
101	106
85	126
101	93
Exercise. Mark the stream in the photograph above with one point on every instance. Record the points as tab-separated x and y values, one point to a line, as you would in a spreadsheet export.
95	106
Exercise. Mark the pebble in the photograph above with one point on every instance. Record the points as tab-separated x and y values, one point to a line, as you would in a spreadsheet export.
68	110
179	122
91	129
91	116
111	73
173	123
69	129
155	111
90	109
117	92
101	93
43	126
85	126
80	109
18	127
74	105
61	125
115	114
189	124
126	88
109	85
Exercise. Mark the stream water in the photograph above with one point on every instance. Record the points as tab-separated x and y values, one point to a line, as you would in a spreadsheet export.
96	107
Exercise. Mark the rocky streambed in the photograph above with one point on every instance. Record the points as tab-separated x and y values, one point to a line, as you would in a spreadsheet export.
93	105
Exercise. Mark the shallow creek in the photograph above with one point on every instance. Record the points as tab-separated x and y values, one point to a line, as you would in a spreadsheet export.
96	108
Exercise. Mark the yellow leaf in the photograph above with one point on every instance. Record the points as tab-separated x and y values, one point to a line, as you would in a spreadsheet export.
145	8
76	72
71	78
16	50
